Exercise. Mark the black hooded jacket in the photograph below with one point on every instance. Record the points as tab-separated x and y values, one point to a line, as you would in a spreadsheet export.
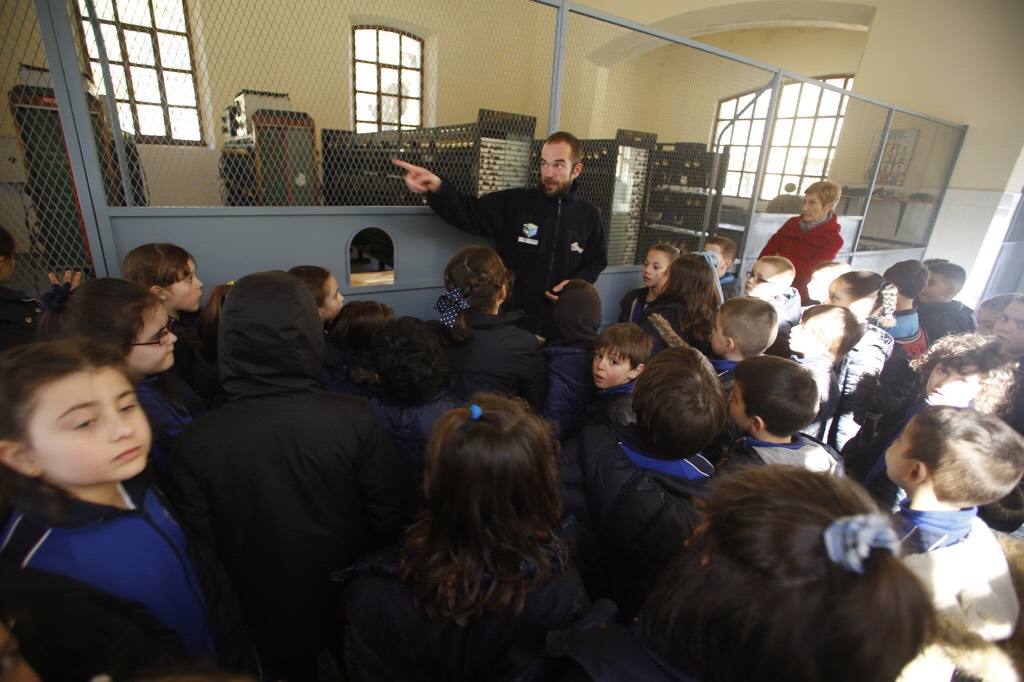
286	482
543	239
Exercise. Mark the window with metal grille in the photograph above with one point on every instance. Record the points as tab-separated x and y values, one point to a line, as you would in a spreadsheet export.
149	47
387	79
808	122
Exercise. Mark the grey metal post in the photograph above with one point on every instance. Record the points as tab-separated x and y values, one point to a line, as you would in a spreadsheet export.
76	123
110	99
557	67
762	160
884	140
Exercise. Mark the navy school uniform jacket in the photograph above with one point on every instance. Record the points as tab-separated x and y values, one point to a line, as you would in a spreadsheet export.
409	426
387	637
611	406
802	451
500	358
139	557
167	417
286	481
543	239
941	319
633	305
570	385
866	359
673	314
634	509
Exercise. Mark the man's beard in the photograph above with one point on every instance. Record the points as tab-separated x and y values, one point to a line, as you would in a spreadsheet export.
556	190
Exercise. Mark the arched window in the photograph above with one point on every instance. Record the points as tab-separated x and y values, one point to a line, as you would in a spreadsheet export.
387	79
371	258
807	127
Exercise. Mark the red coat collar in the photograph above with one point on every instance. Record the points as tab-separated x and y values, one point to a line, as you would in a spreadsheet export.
791	228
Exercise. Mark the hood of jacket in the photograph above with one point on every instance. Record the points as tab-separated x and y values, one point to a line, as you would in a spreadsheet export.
270	339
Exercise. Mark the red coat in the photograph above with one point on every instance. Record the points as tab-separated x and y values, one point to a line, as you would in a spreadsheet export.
807	250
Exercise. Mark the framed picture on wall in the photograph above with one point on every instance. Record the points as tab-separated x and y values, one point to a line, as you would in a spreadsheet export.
896	158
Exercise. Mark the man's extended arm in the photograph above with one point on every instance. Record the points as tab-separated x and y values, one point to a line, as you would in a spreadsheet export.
480	216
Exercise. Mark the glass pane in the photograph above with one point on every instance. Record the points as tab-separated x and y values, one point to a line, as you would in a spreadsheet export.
761	108
140	47
411	52
823	128
389	126
124	117
173	51
795	161
366	107
146	87
389	81
366	127
388	47
410	83
808	100
134	12
783	127
788	101
776	160
366	45
741	130
366	77
791	184
756	133
747	185
104	9
802	132
816	157
770	188
723	135
184	124
727	110
109	41
750	162
829	103
116	77
179	89
732	184
151	120
169	15
411	112
388	109
736	159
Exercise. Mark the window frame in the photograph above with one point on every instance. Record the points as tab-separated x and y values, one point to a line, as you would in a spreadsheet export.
803	176
165	106
380	123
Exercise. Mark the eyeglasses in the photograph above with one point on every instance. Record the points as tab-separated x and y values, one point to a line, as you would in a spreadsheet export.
158	339
754	276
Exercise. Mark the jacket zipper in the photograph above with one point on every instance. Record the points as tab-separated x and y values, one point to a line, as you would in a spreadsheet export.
554	242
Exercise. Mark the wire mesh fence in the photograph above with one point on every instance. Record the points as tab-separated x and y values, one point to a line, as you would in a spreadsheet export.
38	201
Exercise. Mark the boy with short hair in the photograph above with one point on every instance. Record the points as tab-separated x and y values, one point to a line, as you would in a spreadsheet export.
773	399
949	461
771	280
938	312
744	327
726	249
631	487
620	355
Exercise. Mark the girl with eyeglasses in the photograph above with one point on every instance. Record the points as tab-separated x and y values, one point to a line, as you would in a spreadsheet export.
125	315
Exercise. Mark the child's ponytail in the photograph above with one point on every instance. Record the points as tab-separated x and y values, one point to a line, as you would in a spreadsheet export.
474	279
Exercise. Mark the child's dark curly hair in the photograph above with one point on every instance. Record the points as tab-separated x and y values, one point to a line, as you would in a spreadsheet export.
410	362
970	353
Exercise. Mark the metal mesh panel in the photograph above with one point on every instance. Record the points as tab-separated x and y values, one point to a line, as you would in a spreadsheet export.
646	109
38	203
912	176
313	110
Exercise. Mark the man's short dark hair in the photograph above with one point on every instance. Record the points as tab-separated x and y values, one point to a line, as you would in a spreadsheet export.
973	458
575	147
951	272
779	391
679	403
751	322
626	341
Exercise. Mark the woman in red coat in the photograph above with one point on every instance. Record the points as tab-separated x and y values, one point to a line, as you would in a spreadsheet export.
812	238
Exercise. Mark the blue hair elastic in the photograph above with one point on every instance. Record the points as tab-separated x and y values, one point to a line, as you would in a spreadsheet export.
475	412
850	539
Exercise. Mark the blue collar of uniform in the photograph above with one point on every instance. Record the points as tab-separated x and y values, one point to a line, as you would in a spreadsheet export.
722	366
616	390
695	468
924	531
798	442
727	278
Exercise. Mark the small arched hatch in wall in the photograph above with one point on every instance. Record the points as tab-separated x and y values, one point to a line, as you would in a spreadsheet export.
371	258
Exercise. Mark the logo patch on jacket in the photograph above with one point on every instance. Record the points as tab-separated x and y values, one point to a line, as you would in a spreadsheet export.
529	235
575	246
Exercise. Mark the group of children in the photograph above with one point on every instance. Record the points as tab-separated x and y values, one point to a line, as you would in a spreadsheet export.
718	487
